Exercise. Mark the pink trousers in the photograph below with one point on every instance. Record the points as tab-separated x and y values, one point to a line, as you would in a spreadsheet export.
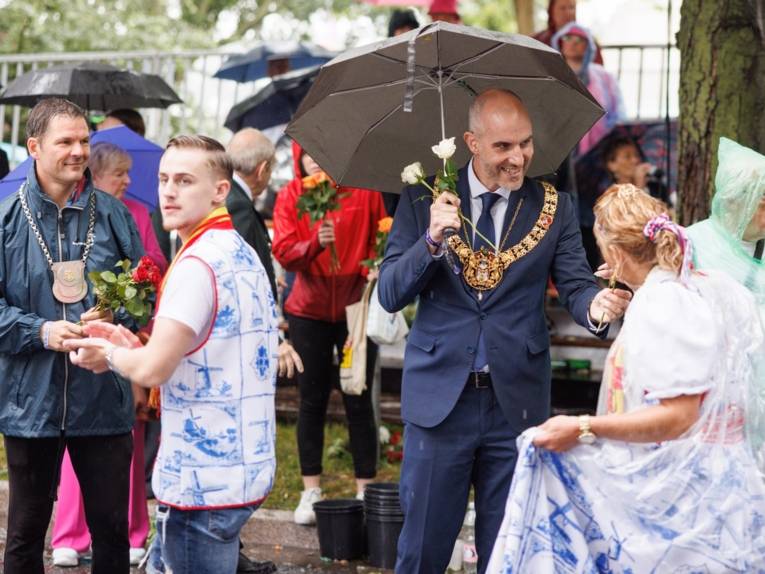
70	529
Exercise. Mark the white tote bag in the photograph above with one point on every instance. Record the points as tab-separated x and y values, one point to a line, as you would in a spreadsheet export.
382	327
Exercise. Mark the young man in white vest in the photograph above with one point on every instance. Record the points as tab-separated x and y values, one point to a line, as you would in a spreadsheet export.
213	350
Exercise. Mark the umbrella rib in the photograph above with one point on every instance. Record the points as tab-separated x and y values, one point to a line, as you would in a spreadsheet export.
478	56
429	83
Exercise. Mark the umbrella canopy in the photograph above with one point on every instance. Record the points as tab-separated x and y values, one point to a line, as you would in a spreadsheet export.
92	86
254	64
143	173
144	180
354	124
13	180
274	103
592	177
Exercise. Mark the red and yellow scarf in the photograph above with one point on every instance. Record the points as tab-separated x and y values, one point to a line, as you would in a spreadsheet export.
216	219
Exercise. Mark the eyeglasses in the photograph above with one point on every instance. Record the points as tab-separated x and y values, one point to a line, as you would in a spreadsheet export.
573	39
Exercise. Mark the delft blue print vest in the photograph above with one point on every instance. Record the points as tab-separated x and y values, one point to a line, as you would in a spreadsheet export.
218	427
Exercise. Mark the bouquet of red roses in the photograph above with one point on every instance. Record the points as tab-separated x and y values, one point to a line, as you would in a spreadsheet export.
129	289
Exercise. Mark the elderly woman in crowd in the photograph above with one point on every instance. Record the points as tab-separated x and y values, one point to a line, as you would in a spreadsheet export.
109	165
664	478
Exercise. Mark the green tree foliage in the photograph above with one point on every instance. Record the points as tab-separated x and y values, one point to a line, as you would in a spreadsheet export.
92	25
82	25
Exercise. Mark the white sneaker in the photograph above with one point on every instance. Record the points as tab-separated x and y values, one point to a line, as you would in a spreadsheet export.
304	513
65	557
136	555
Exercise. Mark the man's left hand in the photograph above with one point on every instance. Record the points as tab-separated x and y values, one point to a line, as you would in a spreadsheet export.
95	314
89	353
609	305
558	434
289	360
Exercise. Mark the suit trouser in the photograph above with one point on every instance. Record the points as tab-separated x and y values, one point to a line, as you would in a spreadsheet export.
473	445
102	465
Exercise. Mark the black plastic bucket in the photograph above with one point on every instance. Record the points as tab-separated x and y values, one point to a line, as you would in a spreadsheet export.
381	489
382	538
340	525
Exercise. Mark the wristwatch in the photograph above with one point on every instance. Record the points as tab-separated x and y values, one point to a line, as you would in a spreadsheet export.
586	436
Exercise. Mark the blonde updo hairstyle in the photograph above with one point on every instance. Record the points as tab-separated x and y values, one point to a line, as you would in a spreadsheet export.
622	213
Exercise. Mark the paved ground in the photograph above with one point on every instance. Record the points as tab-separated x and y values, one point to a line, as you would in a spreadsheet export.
269	535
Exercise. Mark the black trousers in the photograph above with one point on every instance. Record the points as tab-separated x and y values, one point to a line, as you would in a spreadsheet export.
102	466
314	341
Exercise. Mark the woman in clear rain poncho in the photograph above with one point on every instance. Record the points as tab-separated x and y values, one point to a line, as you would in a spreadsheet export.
728	239
664	478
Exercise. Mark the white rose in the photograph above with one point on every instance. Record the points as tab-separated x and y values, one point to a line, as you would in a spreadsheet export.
445	148
412	173
384	435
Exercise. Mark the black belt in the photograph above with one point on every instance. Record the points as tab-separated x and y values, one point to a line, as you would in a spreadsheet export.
479	380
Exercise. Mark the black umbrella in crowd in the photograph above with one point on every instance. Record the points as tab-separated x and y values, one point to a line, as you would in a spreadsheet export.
92	86
274	103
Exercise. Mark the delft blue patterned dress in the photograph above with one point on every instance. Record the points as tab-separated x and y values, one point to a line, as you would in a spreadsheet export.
691	505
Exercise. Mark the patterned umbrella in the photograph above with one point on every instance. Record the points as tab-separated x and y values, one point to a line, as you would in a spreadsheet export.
592	178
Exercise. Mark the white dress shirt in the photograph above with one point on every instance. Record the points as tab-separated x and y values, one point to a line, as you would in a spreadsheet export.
498	210
243	185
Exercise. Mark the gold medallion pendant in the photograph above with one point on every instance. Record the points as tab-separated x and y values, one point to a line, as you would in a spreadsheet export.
69	285
483	269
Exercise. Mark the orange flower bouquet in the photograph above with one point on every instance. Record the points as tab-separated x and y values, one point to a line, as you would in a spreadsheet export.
320	196
381	239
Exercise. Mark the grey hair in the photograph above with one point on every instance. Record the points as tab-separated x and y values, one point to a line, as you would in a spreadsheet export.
248	149
104	155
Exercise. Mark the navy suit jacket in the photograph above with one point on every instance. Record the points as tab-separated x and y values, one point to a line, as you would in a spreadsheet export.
442	343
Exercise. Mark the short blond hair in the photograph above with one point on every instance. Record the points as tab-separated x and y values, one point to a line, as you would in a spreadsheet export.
217	159
622	213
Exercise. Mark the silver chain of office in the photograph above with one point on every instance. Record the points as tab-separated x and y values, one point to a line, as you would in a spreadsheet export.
90	239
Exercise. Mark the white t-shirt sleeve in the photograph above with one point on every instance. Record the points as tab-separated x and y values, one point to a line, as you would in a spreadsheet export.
189	297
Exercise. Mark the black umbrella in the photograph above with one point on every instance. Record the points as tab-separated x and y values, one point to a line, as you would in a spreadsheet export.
274	103
91	85
375	109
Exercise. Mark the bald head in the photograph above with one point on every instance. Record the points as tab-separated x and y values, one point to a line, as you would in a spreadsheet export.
499	138
252	154
248	148
492	102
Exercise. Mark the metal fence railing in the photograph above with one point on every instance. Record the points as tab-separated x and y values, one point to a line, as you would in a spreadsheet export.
640	69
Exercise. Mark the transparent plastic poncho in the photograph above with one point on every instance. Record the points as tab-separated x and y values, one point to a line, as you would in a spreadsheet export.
718	244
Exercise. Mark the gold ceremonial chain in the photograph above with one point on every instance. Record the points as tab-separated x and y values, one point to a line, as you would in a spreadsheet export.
483	269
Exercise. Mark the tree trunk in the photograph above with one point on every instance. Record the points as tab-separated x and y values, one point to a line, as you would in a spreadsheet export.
524	14
722	75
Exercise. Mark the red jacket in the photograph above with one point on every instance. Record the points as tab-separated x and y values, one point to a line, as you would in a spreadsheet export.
318	293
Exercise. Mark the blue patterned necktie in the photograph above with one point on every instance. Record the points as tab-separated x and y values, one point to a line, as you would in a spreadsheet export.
485	225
